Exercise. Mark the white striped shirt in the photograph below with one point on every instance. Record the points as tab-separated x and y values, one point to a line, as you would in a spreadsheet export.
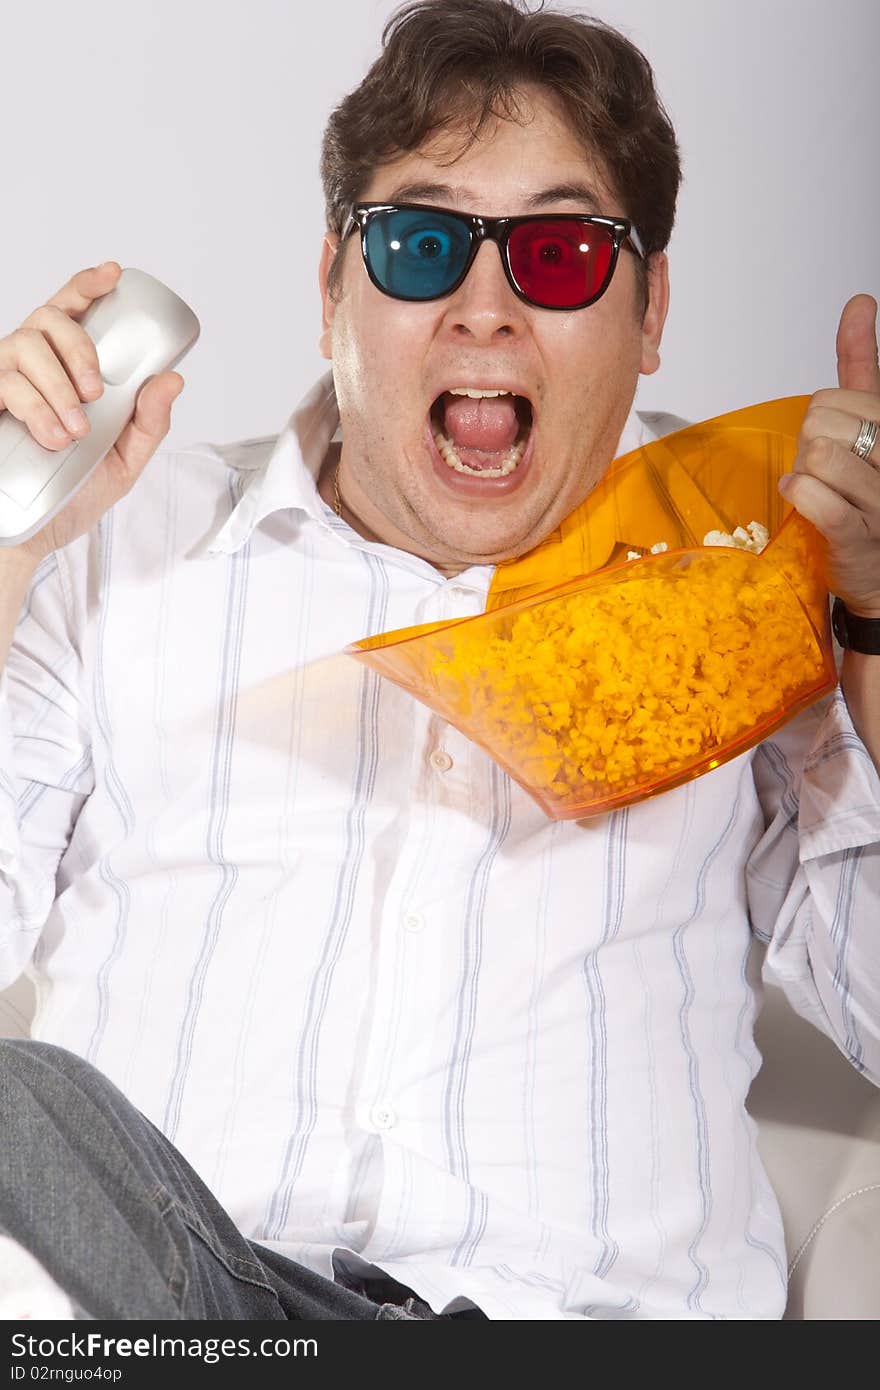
383	1005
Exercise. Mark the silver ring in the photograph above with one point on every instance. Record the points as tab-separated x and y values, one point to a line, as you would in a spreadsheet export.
866	439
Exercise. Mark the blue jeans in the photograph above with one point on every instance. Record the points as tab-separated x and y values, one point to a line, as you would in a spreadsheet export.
126	1227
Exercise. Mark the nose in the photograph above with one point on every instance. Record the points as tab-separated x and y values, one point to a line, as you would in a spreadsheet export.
484	306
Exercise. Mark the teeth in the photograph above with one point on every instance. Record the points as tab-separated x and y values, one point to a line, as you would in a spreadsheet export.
475	392
447	451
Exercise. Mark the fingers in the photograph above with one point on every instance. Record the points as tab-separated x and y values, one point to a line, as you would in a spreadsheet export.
83	288
842	522
73	346
833	487
36	388
854	479
864	403
50	363
841	426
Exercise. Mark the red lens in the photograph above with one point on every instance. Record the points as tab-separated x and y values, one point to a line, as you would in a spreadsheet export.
560	263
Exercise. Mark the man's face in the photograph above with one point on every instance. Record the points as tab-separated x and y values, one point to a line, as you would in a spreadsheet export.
393	361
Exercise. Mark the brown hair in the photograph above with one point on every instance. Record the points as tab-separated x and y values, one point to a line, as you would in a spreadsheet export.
452	63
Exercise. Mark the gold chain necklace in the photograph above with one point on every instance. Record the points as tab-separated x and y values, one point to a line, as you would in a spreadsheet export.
337	500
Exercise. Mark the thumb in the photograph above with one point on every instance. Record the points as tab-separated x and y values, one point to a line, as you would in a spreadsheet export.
152	411
151	420
857	367
158	393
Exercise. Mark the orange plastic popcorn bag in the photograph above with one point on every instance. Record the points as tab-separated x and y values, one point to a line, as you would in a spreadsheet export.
596	680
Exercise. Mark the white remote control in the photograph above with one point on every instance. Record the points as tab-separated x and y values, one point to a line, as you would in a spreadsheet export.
140	328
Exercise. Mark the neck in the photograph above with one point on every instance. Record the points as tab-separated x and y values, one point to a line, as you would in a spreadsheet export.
332	490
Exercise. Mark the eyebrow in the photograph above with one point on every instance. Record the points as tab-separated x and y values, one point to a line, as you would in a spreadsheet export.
447	194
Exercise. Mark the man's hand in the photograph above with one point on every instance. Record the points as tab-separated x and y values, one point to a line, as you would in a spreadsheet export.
840	493
830	485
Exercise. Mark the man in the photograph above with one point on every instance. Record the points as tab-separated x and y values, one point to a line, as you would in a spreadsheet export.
333	1021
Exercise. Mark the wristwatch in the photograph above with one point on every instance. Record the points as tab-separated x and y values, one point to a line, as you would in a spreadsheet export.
858	634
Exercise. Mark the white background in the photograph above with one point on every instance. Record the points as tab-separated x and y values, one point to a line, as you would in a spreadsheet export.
182	137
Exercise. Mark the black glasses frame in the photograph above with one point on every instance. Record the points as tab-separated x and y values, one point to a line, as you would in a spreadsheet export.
497	229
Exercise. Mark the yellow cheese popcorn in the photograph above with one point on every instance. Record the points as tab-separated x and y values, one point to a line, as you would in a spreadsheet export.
592	693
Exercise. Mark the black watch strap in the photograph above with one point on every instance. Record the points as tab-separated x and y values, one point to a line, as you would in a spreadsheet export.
855	633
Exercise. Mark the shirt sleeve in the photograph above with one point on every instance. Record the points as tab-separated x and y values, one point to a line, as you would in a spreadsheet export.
813	879
46	769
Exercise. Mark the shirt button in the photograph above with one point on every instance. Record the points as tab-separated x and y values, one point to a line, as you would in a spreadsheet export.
414	921
440	760
458	592
384	1116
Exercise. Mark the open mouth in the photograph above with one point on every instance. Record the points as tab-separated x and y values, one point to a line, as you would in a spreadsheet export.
481	432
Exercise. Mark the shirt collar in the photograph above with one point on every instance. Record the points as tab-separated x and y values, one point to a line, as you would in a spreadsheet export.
288	476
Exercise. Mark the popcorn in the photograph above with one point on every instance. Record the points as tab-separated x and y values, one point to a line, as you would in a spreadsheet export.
655	550
754	538
613	687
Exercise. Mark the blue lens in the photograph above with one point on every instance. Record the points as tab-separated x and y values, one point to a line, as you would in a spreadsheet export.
416	254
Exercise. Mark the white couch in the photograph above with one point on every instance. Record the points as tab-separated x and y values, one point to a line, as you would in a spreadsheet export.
819	1136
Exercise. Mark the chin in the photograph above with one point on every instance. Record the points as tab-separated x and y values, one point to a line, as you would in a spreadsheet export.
486	546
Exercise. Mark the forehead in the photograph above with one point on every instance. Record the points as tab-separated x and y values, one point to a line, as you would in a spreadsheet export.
513	165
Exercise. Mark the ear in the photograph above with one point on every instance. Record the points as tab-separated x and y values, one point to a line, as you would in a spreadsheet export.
655	314
329	250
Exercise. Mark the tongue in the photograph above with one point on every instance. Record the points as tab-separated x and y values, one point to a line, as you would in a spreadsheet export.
488	423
